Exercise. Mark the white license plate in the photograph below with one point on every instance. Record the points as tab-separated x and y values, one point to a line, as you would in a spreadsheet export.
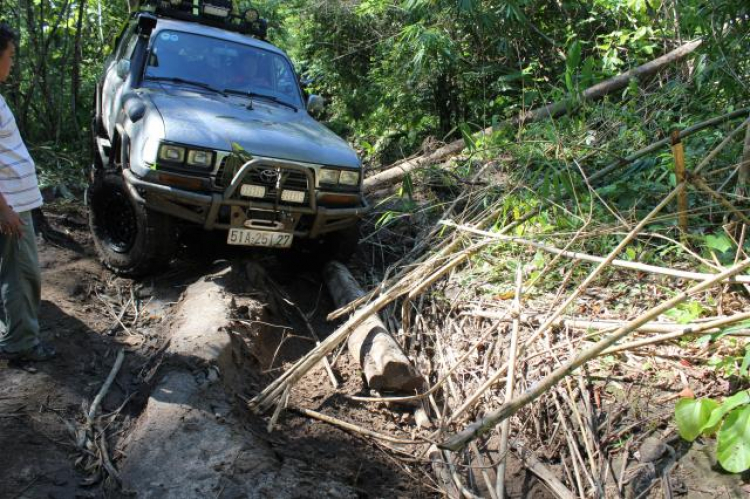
252	237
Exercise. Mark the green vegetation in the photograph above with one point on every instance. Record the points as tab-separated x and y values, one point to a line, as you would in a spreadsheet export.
731	419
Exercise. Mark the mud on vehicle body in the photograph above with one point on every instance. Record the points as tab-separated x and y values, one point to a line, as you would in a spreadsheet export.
199	122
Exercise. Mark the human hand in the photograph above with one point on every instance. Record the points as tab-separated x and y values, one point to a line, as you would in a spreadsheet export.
10	223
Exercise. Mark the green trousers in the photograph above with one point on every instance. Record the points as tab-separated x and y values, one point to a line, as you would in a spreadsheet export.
20	289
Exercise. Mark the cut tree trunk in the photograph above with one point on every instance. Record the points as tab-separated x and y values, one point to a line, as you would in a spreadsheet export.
401	169
384	364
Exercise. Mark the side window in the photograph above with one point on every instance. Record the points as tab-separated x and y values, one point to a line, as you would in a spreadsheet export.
127	44
285	79
130	47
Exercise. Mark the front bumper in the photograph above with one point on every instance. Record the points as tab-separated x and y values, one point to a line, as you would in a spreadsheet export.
224	210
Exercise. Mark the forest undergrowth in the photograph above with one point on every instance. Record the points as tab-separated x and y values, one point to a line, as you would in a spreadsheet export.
513	269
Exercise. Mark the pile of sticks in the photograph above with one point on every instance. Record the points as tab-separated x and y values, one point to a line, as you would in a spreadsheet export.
508	376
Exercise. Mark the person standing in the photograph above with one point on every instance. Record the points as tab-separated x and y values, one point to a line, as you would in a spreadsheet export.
20	276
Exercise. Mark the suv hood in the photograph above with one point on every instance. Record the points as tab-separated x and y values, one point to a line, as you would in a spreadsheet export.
268	129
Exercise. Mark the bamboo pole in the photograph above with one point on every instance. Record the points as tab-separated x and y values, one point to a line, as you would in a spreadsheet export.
510	382
714	325
482	426
640	267
678	152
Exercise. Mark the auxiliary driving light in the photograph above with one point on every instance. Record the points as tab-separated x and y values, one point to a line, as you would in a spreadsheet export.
253	191
293	196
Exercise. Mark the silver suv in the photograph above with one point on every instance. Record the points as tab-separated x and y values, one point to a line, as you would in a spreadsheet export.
199	122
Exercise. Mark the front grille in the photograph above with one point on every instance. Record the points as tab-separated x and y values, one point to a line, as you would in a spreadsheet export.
275	180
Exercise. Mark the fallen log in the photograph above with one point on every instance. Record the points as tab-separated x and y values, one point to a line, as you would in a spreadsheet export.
384	364
554	110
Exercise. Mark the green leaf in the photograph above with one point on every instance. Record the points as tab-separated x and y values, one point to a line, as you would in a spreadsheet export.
745	362
736	400
471	144
692	415
574	56
720	243
733	448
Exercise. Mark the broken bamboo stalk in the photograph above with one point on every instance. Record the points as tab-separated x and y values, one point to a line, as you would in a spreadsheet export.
707	327
641	267
510	382
384	364
545	475
743	176
602	324
482	426
350	427
702	185
399	170
678	151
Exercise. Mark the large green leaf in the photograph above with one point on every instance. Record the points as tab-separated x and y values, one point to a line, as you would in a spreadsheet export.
736	400
692	416
720	243
733	450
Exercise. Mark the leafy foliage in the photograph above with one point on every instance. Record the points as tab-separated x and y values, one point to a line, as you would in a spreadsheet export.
732	421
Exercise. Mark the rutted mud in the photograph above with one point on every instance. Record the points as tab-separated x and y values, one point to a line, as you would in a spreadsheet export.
178	422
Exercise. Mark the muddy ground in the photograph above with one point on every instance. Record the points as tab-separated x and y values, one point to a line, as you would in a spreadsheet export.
89	314
41	403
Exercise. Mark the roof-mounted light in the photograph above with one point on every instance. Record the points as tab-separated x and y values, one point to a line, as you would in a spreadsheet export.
214	10
251	15
219	13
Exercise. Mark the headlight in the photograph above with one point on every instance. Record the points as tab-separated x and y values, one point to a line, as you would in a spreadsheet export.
173	154
202	159
349	178
329	176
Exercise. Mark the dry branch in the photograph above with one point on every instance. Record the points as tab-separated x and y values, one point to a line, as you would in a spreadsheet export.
479	428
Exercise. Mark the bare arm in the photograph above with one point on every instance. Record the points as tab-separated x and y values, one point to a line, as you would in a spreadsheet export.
10	223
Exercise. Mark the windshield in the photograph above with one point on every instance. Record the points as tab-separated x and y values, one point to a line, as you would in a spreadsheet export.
222	65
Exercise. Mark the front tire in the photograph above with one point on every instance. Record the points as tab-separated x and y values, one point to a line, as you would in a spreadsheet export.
130	239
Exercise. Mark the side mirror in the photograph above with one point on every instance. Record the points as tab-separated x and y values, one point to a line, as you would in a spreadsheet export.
123	69
316	105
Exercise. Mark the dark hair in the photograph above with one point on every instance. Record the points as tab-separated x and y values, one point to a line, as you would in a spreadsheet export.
7	35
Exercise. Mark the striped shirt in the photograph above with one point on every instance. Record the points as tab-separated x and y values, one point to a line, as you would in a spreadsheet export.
18	182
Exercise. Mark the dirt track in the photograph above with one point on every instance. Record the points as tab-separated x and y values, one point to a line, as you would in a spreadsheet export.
41	405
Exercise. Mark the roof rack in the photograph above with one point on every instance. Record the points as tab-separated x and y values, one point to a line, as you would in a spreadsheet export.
217	13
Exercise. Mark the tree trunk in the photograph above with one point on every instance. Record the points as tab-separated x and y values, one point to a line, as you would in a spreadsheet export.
384	364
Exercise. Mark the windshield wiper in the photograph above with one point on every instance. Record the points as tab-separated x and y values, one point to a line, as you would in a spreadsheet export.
199	84
254	95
